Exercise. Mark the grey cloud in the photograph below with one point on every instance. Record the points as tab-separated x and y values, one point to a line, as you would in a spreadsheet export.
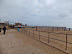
37	12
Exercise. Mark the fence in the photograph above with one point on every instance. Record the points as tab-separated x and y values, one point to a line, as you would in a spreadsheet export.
52	28
49	38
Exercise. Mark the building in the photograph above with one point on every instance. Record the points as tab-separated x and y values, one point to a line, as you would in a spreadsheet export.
2	24
6	22
17	24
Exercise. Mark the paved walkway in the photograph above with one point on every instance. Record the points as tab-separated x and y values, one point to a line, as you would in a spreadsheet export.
14	42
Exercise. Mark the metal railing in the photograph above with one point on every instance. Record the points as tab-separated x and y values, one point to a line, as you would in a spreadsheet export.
39	36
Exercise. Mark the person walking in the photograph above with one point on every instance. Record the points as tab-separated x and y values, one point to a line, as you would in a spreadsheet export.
0	29
4	29
18	29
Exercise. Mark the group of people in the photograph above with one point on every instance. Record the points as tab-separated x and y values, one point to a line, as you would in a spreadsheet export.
4	30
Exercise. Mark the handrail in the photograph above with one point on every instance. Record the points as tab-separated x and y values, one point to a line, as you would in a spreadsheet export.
66	41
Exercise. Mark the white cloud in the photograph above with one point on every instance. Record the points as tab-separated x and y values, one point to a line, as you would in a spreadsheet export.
50	2
50	12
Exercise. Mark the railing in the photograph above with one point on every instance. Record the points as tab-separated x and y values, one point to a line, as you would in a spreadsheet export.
32	33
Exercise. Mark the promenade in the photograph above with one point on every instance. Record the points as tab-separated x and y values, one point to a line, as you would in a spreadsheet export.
14	42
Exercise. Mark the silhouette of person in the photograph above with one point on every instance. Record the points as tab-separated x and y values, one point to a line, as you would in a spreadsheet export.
4	29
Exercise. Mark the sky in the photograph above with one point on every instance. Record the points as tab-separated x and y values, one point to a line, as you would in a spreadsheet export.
37	12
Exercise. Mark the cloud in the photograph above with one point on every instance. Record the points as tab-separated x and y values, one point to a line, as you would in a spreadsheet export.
42	12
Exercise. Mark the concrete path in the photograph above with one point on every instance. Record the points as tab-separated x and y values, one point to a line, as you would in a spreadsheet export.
14	42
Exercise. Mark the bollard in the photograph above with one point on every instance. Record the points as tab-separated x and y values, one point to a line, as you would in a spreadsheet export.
39	35
26	31
33	33
29	32
48	37
57	28
62	28
66	41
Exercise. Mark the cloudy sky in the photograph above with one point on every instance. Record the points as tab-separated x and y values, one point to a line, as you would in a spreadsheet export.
37	12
